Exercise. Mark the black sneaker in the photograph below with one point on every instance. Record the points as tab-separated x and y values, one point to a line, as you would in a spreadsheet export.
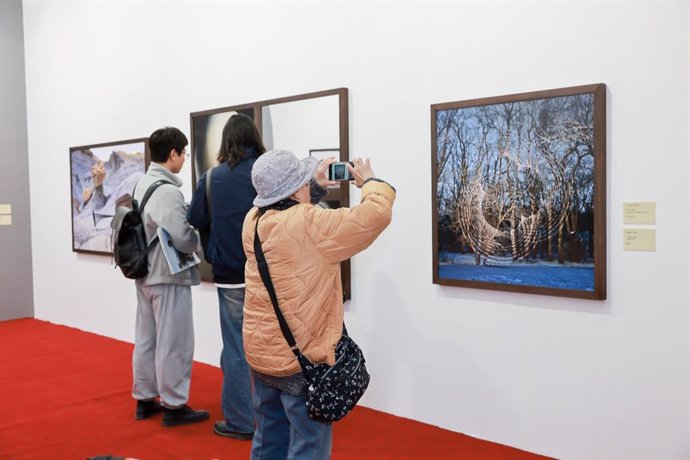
146	409
182	416
221	429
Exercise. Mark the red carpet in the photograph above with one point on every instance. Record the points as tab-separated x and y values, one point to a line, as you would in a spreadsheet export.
65	394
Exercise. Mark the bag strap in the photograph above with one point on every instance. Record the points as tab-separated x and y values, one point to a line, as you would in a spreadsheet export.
149	192
208	192
266	278
152	188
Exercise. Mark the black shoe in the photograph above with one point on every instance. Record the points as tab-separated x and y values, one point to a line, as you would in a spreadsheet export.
146	409
220	428
182	416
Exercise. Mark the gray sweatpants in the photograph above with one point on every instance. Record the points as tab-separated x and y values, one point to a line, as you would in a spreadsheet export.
163	344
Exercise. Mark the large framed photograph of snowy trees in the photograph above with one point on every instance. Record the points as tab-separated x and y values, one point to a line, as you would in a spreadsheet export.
519	192
103	176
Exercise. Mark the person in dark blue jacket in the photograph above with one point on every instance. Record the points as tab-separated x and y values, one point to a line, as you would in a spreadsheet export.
231	197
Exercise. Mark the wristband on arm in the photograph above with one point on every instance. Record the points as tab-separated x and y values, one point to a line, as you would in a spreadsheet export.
376	179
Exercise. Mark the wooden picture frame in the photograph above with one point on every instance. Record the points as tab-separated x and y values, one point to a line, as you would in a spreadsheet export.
519	192
321	154
102	177
337	197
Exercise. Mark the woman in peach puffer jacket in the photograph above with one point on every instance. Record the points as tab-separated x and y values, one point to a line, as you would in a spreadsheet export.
303	245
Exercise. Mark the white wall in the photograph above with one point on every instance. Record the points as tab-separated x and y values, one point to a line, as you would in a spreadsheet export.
567	378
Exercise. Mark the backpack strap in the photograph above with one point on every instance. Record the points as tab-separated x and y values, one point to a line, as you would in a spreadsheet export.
150	191
152	188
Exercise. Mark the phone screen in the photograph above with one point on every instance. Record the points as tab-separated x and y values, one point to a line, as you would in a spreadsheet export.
338	171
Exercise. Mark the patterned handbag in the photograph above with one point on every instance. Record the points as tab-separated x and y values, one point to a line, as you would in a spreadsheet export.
332	391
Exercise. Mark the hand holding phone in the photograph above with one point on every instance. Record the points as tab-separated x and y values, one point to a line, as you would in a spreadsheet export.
321	174
361	170
338	171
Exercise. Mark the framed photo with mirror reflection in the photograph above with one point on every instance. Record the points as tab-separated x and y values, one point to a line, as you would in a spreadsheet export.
304	124
207	129
519	192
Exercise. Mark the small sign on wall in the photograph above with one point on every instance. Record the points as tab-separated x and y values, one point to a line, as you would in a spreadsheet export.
5	214
639	213
636	213
639	239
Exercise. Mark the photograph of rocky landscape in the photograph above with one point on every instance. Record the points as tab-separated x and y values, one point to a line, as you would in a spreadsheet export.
103	176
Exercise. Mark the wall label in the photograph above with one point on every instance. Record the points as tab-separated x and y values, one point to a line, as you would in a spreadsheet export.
639	239
639	213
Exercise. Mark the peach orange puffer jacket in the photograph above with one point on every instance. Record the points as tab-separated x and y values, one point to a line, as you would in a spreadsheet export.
304	246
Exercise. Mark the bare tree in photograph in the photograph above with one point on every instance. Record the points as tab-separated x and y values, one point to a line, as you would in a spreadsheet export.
515	185
505	190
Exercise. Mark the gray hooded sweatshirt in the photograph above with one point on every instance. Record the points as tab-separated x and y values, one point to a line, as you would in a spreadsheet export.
166	208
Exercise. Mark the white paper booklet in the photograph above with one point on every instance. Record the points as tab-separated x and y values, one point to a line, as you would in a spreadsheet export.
177	261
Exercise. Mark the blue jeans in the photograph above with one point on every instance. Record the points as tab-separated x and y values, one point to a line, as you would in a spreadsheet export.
284	429
237	386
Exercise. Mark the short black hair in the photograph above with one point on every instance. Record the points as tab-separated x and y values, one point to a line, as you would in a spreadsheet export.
163	140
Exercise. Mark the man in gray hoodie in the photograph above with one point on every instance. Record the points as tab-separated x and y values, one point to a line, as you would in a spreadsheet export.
164	336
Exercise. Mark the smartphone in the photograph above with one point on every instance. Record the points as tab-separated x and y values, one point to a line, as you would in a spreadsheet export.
339	171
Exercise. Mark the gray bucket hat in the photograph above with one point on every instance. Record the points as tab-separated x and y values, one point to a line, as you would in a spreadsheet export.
277	174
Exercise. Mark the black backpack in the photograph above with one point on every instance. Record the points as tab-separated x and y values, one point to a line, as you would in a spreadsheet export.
130	248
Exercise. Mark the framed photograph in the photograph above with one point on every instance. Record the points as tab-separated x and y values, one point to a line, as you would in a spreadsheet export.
296	123
519	192
207	133
102	177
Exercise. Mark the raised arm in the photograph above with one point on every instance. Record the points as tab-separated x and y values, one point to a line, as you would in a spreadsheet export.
339	234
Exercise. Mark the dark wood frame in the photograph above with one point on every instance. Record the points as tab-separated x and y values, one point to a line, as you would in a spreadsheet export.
147	161
341	195
599	252
324	150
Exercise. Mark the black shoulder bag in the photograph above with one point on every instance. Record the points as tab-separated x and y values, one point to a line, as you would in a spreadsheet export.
332	391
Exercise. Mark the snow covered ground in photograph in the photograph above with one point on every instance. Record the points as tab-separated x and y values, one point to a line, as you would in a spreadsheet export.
541	274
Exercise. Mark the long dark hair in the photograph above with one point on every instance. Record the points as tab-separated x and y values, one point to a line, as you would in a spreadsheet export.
239	133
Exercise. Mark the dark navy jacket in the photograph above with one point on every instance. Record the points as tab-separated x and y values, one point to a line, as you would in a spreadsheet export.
232	194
